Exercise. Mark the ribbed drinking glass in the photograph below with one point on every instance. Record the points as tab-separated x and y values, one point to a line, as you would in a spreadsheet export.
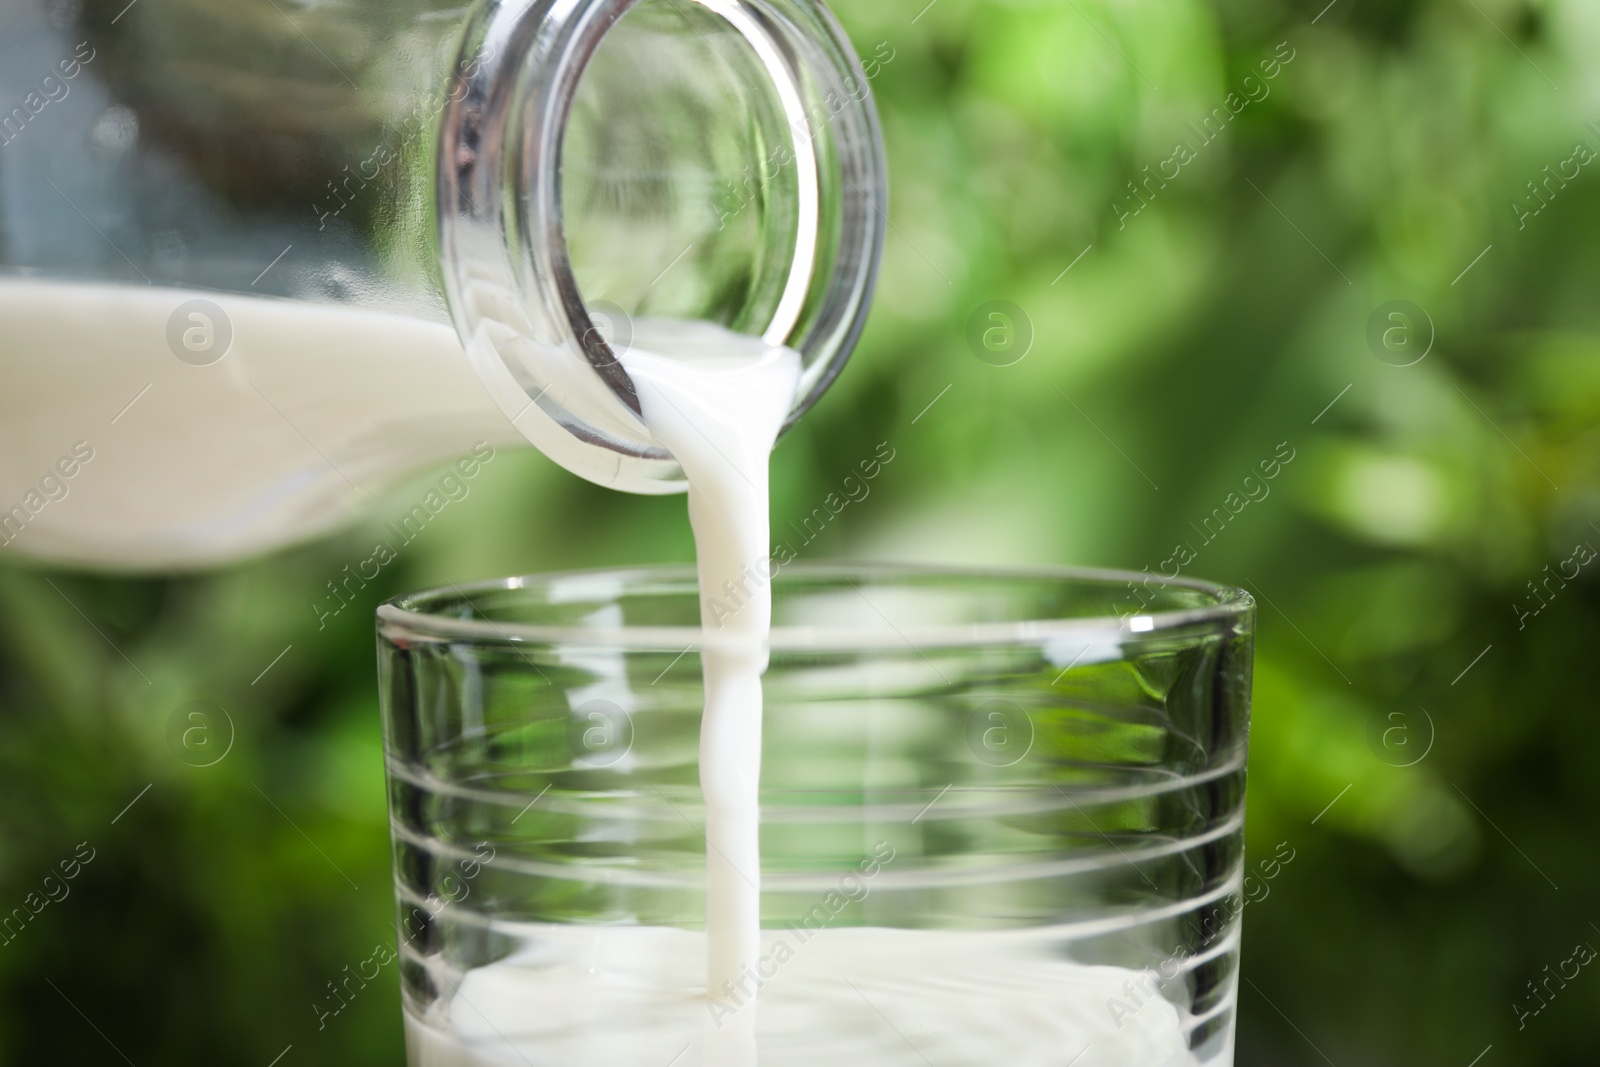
1002	821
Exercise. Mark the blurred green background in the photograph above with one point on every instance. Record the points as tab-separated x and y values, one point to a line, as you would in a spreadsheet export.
1423	739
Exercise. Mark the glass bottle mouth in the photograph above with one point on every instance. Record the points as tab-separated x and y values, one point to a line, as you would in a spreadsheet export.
603	160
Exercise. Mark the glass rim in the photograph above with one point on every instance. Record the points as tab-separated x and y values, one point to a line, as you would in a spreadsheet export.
406	614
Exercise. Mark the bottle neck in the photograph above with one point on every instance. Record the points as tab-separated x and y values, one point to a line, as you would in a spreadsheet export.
714	161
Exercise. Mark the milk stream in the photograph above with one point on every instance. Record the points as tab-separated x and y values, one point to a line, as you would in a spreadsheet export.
652	997
717	403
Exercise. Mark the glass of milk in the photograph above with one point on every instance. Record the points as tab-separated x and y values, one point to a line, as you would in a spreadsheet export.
1000	821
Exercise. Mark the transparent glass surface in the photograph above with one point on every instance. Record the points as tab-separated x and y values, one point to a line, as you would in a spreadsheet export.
1001	819
707	160
336	242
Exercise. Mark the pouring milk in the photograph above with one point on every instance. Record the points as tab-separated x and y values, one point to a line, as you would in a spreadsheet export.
736	996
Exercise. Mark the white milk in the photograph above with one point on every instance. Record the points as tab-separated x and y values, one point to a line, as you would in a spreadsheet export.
311	414
655	997
718	412
630	997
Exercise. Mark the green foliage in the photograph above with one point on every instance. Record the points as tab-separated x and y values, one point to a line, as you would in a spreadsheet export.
1208	322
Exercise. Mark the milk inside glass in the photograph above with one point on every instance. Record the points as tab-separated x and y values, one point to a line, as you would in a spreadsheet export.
633	997
735	995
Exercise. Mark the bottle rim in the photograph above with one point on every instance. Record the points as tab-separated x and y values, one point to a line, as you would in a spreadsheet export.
508	275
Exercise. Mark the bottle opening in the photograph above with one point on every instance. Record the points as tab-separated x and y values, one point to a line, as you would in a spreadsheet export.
689	175
710	161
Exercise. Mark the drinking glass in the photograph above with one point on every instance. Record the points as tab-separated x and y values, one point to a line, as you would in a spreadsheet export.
1001	820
